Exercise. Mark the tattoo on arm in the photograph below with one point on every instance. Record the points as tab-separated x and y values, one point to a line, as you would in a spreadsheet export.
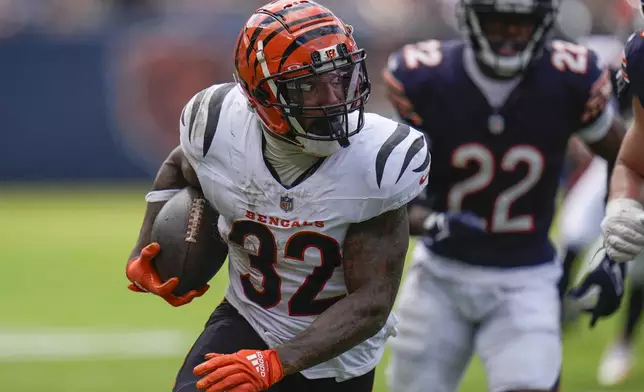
175	173
374	256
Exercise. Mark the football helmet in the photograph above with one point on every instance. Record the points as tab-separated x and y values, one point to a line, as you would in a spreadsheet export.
507	35
303	74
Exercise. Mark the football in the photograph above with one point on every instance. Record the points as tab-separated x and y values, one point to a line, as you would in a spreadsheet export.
191	248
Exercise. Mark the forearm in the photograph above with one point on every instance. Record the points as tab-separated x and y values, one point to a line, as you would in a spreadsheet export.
627	180
347	323
626	183
374	256
151	212
175	173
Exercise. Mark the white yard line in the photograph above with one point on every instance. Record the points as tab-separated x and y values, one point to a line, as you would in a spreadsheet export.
68	344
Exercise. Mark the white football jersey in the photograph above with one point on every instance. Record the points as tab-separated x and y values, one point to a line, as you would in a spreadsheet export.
285	244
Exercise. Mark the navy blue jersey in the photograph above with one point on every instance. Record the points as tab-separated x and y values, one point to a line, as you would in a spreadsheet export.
631	75
503	163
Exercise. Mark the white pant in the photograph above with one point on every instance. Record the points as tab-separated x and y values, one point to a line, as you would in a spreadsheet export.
448	310
583	208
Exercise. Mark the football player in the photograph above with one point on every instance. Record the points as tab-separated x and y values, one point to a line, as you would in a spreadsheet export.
498	109
312	195
623	226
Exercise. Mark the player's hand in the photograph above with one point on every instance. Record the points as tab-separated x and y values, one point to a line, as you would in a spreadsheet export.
441	225
600	292
244	371
623	229
144	279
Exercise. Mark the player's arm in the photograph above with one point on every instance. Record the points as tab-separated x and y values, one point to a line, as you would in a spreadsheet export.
623	226
628	176
627	181
374	255
601	128
175	173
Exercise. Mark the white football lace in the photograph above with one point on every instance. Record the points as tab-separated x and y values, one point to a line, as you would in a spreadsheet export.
194	219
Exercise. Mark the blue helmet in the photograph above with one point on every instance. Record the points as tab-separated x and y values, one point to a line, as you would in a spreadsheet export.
503	50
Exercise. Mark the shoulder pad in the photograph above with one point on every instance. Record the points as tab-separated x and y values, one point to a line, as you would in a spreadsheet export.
413	63
199	120
397	166
628	79
388	159
577	61
407	75
587	81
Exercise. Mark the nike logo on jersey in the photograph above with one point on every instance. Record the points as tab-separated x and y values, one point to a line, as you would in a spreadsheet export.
400	134
423	179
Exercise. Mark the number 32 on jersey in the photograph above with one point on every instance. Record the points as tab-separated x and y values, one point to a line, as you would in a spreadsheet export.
303	302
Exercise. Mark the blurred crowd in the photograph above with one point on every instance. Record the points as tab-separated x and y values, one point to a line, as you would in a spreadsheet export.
388	19
381	25
143	59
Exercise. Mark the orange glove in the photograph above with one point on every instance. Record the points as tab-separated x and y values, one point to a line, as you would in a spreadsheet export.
145	279
244	371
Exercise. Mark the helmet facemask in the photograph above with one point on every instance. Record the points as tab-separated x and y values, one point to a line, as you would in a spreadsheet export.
507	37
316	98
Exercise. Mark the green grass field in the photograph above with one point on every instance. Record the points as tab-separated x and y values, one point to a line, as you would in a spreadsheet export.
68	323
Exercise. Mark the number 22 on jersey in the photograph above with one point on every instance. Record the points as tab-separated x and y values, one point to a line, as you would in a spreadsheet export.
565	56
303	302
501	222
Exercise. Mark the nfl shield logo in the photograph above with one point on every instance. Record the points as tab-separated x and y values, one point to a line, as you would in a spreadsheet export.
286	203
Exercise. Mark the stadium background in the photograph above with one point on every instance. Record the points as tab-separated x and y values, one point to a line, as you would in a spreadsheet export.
90	95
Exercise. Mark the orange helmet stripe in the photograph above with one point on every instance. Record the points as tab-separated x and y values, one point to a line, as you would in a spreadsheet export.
266	23
279	17
325	30
294	23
